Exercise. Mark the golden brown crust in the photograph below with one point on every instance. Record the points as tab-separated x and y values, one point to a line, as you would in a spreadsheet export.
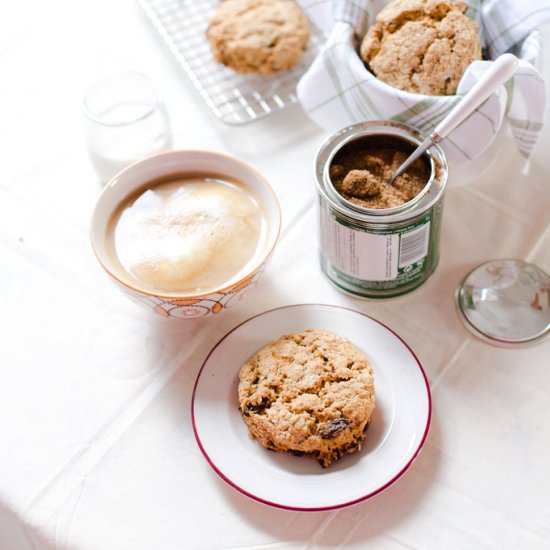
308	393
422	46
258	36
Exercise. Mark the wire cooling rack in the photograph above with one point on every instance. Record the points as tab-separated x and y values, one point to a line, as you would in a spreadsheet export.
232	97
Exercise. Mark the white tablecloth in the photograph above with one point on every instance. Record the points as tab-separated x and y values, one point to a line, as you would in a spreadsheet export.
96	446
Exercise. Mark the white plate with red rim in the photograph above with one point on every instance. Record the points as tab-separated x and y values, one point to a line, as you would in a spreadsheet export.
397	431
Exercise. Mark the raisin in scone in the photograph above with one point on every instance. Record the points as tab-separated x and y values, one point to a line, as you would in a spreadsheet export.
308	393
258	36
422	46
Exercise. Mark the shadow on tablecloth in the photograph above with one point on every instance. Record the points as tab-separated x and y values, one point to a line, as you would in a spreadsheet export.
384	514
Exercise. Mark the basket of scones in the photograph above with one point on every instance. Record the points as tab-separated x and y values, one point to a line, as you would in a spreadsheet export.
412	61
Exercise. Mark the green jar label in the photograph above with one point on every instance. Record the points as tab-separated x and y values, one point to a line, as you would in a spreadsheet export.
380	258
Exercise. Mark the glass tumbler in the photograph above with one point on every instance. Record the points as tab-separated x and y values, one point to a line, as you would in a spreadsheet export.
125	121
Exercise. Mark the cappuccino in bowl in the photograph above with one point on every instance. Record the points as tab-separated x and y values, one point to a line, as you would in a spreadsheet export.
186	232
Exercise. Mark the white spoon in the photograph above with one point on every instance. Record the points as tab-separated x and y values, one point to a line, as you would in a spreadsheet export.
502	69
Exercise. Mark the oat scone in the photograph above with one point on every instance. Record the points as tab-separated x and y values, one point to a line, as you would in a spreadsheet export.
258	36
308	393
422	46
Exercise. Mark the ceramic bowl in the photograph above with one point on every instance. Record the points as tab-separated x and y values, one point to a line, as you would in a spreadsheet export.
158	166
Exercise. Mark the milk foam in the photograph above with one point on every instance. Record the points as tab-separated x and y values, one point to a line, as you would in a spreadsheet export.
190	235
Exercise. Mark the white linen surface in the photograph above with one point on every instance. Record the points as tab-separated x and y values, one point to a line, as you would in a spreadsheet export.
96	446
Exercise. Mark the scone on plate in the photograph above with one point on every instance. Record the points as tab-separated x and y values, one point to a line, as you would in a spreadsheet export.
258	36
422	46
308	393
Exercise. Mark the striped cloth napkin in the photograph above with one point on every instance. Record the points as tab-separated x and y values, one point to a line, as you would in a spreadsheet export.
338	90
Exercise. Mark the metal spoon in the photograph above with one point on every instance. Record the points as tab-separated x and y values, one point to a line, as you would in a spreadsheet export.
501	70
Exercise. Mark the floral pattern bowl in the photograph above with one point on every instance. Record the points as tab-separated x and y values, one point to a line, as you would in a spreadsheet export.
134	177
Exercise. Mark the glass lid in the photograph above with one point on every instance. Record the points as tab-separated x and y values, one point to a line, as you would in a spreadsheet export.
506	303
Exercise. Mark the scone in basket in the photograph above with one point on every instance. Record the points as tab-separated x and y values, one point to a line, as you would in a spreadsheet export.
339	90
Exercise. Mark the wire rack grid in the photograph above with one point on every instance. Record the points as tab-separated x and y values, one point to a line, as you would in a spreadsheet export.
234	98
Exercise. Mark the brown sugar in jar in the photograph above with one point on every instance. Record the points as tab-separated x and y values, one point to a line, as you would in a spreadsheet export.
360	170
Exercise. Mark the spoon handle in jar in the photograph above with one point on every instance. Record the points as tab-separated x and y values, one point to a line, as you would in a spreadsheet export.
501	70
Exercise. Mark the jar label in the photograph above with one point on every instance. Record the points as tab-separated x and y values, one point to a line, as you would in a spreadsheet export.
375	256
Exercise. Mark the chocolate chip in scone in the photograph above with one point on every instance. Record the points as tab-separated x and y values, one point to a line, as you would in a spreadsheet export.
296	453
333	427
257	407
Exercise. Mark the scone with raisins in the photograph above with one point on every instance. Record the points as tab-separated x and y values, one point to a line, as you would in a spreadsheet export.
309	393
